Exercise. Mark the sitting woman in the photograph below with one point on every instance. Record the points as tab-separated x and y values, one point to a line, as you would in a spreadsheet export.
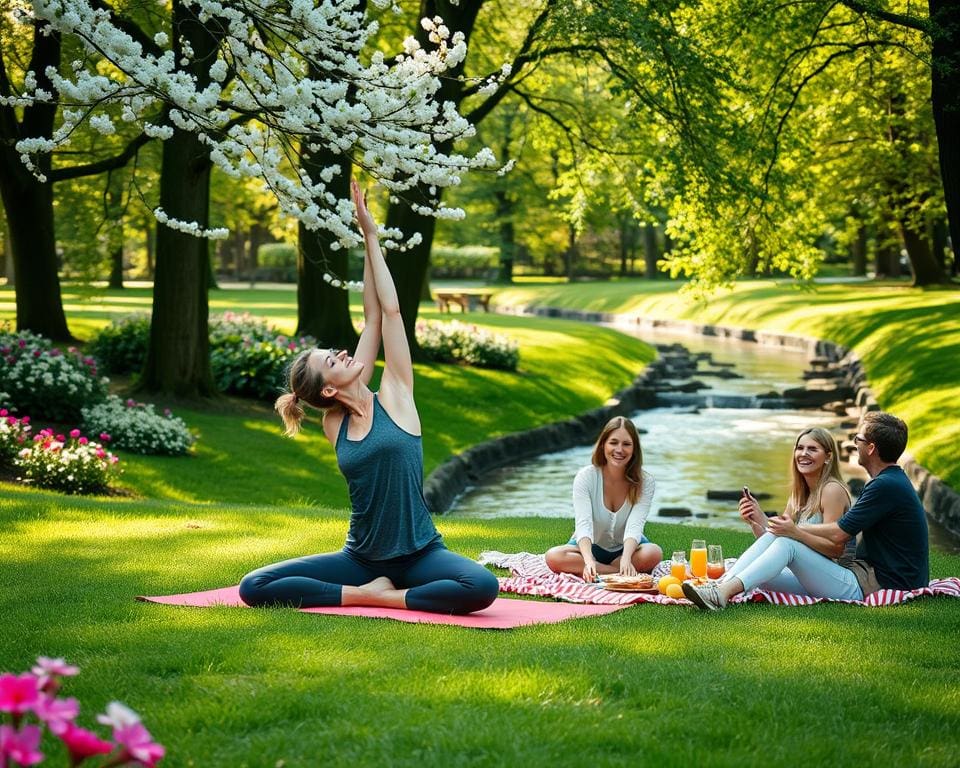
611	501
792	560
393	557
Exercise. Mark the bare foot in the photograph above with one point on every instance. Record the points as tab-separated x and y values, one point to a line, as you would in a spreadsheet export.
379	584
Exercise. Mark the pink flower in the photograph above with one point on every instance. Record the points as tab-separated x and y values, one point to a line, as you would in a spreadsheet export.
74	433
118	716
130	402
48	670
137	742
47	666
105	437
37	353
61	439
25	420
167	412
4	411
20	746
56	713
83	441
21	343
113	459
100	453
11	420
83	744
18	693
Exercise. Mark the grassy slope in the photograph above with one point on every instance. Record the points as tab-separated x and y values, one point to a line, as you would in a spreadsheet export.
909	338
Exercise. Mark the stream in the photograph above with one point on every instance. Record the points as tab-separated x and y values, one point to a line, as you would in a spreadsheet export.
714	439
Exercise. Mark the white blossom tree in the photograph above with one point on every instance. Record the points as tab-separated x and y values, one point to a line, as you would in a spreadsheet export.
250	86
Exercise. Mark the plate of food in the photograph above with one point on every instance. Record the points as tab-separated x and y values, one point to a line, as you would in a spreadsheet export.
642	582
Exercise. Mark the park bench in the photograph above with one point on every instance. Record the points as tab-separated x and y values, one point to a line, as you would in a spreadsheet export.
468	302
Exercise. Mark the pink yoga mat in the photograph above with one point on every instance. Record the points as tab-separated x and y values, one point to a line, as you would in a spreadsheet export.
503	614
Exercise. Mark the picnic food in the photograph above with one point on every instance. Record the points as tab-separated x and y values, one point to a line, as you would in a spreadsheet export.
675	591
640	581
665	582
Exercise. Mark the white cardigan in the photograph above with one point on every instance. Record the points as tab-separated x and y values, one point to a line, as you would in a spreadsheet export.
605	528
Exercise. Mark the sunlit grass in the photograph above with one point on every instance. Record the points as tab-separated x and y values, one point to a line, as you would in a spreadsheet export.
233	687
909	338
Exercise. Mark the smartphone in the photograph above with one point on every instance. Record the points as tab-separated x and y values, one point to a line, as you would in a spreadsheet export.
746	492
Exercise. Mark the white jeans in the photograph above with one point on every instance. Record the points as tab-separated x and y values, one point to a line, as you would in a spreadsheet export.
781	564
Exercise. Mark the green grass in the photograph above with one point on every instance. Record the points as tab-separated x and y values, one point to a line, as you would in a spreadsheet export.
909	338
756	685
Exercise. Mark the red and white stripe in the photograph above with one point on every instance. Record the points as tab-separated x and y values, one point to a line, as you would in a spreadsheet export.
531	576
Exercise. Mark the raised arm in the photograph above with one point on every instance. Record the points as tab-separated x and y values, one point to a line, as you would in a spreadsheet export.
396	384
369	344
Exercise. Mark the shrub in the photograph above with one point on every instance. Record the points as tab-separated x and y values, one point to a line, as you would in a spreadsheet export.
464	261
250	358
121	347
456	342
71	464
44	381
137	427
14	434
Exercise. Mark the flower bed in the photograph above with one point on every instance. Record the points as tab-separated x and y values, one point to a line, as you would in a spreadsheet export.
456	342
44	381
137	427
72	464
121	347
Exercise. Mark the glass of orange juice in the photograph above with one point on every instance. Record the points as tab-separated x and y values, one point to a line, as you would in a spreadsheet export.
678	565
698	558
714	561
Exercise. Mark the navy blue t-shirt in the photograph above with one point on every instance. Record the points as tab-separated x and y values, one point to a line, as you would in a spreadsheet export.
894	526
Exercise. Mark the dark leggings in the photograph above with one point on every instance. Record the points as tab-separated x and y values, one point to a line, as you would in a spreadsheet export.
437	580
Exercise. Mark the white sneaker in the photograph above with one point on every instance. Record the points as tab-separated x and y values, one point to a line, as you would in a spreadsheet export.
706	598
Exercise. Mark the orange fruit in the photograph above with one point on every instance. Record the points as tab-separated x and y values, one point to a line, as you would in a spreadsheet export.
667	581
675	591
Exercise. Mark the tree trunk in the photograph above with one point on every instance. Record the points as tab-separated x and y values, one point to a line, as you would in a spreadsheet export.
945	100
624	246
570	254
8	269
650	255
29	205
116	267
115	232
178	355
926	270
409	269
938	240
508	238
322	310
858	252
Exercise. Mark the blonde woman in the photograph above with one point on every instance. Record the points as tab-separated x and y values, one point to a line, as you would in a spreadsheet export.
796	561
611	502
393	556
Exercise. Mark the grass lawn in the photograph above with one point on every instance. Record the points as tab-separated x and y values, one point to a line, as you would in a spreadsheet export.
909	338
231	688
655	685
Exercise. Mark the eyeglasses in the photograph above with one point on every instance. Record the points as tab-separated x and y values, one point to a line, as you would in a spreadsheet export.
860	439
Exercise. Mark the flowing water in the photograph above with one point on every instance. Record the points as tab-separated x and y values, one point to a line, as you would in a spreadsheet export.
714	440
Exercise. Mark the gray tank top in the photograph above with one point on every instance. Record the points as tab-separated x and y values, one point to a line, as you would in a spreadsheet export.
384	473
815	519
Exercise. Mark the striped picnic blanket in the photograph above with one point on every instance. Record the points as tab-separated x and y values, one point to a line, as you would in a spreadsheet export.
530	576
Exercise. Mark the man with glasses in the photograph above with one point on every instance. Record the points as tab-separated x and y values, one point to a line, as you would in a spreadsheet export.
894	550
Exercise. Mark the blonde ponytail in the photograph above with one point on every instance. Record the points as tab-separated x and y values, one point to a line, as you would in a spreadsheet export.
290	410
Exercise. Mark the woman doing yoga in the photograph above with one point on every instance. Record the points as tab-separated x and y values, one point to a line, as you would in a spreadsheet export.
393	556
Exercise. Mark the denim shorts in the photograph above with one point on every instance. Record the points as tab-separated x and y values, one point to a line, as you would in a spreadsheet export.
607	556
